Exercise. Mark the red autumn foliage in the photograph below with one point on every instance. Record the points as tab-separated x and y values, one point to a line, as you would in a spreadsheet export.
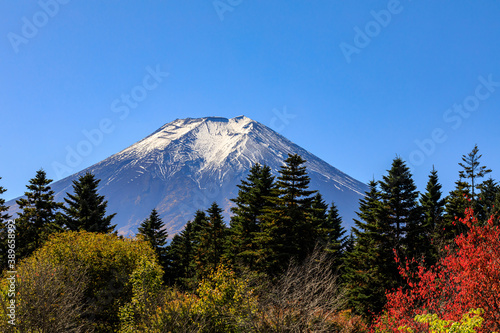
466	278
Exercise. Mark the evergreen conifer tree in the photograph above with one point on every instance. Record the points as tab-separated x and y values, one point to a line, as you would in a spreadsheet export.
485	205
182	251
336	241
153	231
199	224
254	199
366	277
319	214
180	256
389	223
211	241
328	227
39	215
402	215
349	246
288	229
473	170
432	209
86	209
336	230
175	270
457	202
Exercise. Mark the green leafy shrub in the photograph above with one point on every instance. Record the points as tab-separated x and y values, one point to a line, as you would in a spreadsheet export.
48	298
222	303
108	263
225	302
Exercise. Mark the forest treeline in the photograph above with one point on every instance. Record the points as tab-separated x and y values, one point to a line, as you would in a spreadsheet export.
283	263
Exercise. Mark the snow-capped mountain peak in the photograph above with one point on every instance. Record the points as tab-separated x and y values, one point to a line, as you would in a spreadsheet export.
188	163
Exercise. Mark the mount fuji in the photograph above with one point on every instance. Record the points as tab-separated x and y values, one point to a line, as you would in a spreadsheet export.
189	163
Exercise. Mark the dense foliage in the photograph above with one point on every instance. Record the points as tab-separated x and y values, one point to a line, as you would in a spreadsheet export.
468	278
153	231
100	266
39	215
86	209
413	262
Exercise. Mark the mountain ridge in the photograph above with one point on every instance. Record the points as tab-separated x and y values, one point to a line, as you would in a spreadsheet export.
188	163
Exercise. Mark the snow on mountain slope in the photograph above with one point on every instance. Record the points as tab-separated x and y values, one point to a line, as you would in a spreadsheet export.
189	163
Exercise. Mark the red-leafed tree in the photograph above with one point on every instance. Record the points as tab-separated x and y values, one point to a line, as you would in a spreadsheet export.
466	278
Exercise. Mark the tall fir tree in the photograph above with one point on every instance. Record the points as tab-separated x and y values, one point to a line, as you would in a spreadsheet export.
432	205
457	201
319	214
485	205
153	231
211	242
336	232
86	209
181	253
473	170
336	241
402	215
199	224
328	228
288	228
4	233
350	241
39	215
179	257
343	271
254	198
175	270
369	266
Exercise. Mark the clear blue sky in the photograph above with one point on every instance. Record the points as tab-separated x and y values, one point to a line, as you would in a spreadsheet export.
363	79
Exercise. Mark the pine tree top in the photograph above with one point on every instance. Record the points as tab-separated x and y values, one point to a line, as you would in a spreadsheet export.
153	230
433	194
472	169
214	215
86	209
369	207
293	182
398	180
39	203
